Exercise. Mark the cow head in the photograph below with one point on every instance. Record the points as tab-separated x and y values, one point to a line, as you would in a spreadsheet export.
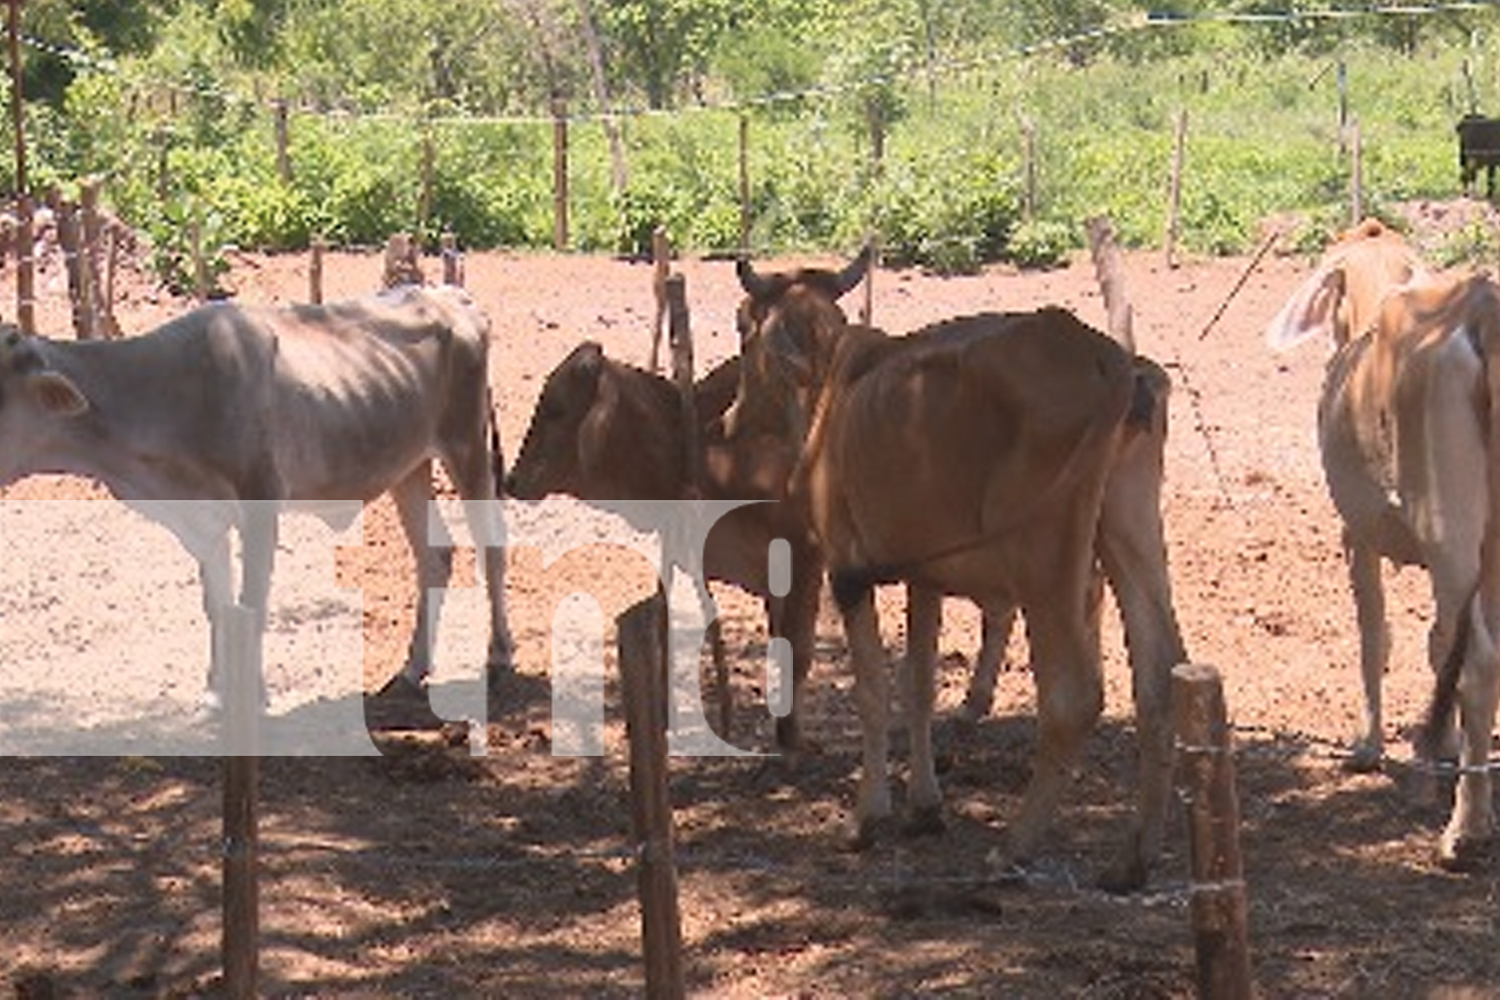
789	325
1342	297
549	457
34	399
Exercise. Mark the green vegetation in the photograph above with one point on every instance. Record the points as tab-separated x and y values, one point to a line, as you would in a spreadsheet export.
420	115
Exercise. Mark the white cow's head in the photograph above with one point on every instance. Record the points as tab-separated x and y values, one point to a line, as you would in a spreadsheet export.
35	401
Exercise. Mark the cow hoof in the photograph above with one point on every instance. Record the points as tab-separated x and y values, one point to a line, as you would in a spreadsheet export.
926	821
1124	876
1460	854
1364	758
866	834
401	687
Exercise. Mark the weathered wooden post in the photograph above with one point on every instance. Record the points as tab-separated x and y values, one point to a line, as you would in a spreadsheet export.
26	262
1028	169
453	260
661	266
90	259
1174	189
1356	175
315	269
1109	269
69	240
1220	912
401	264
867	304
240	673
680	337
559	174
745	209
643	677
283	142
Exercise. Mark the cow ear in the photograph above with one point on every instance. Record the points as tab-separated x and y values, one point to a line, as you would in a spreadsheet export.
57	394
1312	309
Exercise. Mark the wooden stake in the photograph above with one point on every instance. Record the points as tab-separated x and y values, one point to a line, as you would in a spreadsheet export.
559	174
643	676
661	260
1174	189
240	675
1219	907
315	270
1109	269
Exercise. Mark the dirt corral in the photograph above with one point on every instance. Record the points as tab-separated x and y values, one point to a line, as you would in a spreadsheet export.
431	873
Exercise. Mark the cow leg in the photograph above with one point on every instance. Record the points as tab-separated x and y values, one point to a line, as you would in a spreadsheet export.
1132	549
872	699
1070	698
924	620
1374	649
434	566
980	697
474	476
796	621
259	531
218	594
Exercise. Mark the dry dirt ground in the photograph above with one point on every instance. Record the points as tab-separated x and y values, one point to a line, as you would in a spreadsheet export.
431	873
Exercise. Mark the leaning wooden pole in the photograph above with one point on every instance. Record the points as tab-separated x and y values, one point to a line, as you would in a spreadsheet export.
1220	911
643	676
661	267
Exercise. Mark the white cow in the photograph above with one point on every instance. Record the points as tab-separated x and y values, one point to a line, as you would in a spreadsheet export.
1410	441
226	415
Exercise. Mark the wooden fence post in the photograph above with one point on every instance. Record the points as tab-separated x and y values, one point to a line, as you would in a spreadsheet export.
680	338
1219	908
1174	189
453	260
26	262
559	174
70	241
1028	169
402	266
283	142
1356	174
315	270
661	264
745	210
1109	270
643	676
94	306
239	675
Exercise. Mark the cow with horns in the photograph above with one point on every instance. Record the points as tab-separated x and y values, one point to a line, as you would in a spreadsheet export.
1001	457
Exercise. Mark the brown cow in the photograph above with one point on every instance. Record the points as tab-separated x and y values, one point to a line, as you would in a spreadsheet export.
603	431
1410	437
993	457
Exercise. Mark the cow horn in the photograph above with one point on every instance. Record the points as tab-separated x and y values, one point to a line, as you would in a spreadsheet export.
754	285
854	272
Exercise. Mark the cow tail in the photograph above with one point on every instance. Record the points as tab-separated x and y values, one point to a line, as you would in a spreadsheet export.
497	456
1484	331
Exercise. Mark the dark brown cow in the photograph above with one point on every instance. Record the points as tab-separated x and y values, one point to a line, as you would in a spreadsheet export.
993	457
603	431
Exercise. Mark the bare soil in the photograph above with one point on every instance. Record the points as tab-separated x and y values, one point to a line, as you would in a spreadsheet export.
428	872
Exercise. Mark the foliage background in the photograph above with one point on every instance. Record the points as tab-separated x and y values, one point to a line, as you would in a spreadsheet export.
420	115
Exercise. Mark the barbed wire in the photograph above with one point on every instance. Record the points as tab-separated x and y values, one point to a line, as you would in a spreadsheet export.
1126	24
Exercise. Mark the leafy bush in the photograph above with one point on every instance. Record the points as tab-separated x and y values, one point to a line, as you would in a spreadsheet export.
1041	244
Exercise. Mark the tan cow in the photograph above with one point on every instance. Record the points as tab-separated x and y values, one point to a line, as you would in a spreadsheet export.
1340	301
229	414
977	457
1410	438
604	430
